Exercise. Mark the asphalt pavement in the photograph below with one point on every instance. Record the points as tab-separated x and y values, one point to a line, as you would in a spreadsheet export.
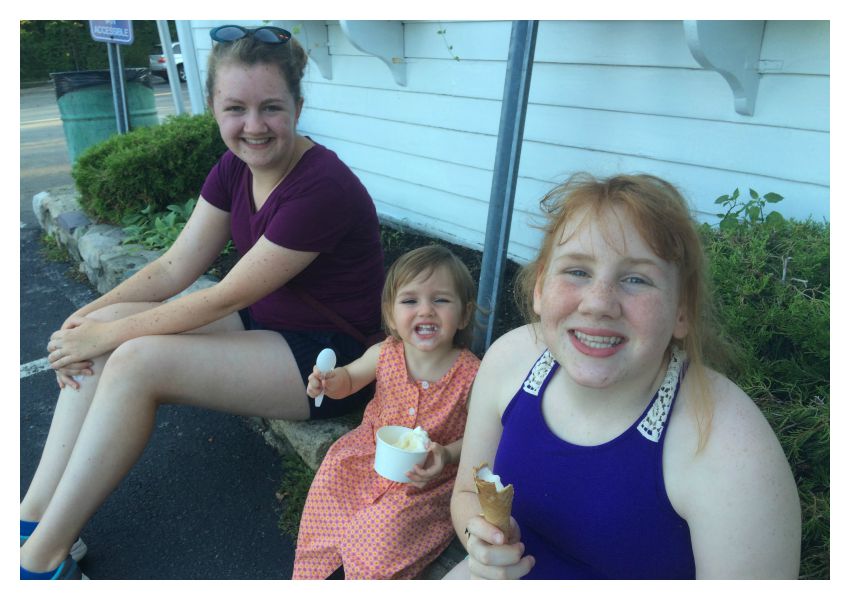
200	503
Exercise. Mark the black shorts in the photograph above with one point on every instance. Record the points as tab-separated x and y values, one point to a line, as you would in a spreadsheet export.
305	346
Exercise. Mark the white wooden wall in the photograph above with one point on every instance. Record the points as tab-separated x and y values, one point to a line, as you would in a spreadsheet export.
606	97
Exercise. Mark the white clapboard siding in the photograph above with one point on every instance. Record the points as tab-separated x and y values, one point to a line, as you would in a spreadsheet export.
401	201
466	115
438	174
551	164
716	144
606	97
404	139
689	93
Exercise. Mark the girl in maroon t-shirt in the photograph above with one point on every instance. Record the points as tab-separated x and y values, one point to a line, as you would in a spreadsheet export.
261	195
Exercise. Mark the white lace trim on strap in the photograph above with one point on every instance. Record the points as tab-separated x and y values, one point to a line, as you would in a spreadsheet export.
653	423
538	373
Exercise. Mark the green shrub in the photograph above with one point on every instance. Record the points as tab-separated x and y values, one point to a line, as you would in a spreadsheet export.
771	285
148	168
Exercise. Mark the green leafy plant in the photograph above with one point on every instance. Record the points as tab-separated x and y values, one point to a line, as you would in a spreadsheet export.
771	287
750	211
148	167
158	230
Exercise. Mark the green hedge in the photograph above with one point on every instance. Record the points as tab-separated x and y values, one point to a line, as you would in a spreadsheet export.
771	284
148	168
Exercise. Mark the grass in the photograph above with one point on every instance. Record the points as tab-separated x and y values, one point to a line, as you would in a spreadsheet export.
292	492
53	251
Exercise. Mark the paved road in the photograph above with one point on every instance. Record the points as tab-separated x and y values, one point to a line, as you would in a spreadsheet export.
200	504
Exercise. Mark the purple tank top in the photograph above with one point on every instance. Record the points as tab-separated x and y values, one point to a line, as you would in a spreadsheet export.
594	512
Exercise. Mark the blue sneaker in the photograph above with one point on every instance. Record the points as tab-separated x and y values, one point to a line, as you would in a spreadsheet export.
68	569
78	550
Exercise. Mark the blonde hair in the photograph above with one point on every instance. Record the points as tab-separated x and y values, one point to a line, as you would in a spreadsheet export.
662	217
290	58
422	262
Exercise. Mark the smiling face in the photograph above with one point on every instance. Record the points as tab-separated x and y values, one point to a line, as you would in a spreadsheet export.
256	115
608	305
427	311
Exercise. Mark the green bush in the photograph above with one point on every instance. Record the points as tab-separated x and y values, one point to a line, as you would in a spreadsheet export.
148	168
771	286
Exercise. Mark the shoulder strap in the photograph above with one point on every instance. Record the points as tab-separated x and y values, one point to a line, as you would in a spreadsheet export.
538	376
335	318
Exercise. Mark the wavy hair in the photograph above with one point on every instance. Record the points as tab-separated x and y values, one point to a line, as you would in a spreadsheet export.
422	262
663	219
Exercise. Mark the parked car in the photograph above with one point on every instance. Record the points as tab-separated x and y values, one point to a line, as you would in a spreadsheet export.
158	61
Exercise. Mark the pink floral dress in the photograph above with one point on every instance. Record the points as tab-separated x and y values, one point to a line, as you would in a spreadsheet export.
377	528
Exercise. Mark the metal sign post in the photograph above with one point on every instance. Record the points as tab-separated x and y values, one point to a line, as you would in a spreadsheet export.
505	172
114	33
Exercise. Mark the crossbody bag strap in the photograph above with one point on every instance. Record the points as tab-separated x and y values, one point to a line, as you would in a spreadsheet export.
335	318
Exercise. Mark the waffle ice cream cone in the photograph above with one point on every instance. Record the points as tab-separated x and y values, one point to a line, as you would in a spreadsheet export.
495	500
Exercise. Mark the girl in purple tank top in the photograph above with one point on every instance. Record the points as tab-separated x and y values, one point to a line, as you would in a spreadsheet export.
629	457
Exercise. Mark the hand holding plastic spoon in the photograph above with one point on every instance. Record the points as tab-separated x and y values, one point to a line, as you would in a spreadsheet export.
326	361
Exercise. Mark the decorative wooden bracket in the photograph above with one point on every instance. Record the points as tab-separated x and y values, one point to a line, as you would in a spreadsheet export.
314	38
732	48
383	39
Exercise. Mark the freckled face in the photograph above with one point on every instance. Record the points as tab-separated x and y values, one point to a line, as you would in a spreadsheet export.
256	115
608	305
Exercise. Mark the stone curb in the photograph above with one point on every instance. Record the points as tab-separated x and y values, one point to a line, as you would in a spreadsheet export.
106	261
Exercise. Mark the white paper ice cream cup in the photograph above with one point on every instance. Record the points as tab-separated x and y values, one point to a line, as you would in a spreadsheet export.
392	462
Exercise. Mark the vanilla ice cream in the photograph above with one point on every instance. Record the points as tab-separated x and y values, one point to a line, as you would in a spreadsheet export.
496	498
415	440
486	474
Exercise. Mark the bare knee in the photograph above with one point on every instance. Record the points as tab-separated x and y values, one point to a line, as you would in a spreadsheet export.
133	364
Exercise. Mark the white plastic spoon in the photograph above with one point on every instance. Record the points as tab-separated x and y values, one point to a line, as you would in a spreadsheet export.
326	361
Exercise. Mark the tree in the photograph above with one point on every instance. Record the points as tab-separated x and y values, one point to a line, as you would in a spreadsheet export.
56	46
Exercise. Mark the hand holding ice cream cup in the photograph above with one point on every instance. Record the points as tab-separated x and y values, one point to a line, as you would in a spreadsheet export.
398	449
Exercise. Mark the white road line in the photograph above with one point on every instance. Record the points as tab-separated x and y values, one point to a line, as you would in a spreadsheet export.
34	367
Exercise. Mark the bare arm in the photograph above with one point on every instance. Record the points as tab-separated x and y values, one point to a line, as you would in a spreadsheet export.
491	555
346	380
265	268
743	510
194	250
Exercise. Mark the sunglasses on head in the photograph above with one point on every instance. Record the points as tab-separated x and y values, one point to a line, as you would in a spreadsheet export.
266	34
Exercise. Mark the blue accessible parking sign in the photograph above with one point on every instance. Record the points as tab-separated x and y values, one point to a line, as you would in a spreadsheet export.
114	32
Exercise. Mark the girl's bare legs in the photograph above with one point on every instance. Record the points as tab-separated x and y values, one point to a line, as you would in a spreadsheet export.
71	409
247	373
